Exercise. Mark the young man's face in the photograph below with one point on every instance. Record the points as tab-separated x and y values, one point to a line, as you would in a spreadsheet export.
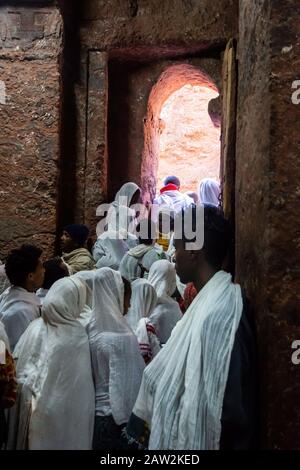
185	262
36	278
67	243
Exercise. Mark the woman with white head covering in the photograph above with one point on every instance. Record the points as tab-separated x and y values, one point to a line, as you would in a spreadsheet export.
57	398
143	301
138	260
127	195
116	360
166	314
112	244
209	192
87	278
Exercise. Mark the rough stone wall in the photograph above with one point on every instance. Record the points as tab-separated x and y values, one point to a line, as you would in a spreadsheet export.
267	192
127	24
138	36
30	44
37	204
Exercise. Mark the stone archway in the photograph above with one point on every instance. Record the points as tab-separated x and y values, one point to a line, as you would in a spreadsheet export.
171	80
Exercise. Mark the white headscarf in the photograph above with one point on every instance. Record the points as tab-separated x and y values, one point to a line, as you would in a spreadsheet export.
166	314
54	369
142	302
114	345
87	277
209	192
125	194
182	391
162	276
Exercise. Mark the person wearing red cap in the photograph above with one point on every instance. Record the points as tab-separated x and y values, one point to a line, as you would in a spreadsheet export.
170	196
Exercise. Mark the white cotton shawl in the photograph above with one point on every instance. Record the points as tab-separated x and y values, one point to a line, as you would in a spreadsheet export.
166	314
87	278
108	251
18	308
173	200
142	302
125	194
209	192
182	391
164	317
57	399
115	352
162	276
142	256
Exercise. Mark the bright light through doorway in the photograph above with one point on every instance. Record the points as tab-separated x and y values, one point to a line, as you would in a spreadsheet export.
189	140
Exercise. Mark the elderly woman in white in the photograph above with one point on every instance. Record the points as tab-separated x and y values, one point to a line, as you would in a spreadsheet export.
116	360
56	404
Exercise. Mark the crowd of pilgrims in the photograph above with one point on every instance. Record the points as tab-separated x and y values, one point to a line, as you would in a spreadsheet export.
135	343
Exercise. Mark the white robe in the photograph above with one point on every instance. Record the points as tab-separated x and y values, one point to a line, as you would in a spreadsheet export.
112	244
18	308
56	402
87	277
143	301
139	259
182	391
117	362
167	313
173	200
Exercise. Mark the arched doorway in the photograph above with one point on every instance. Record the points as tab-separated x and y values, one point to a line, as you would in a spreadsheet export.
186	84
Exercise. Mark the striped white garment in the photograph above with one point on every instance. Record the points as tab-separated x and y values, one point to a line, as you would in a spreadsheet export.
182	390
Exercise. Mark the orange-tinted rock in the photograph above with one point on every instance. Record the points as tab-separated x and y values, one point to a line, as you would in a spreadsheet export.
189	141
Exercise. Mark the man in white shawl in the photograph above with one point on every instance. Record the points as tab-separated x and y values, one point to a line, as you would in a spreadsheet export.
56	404
198	393
170	197
116	360
19	304
162	276
142	303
